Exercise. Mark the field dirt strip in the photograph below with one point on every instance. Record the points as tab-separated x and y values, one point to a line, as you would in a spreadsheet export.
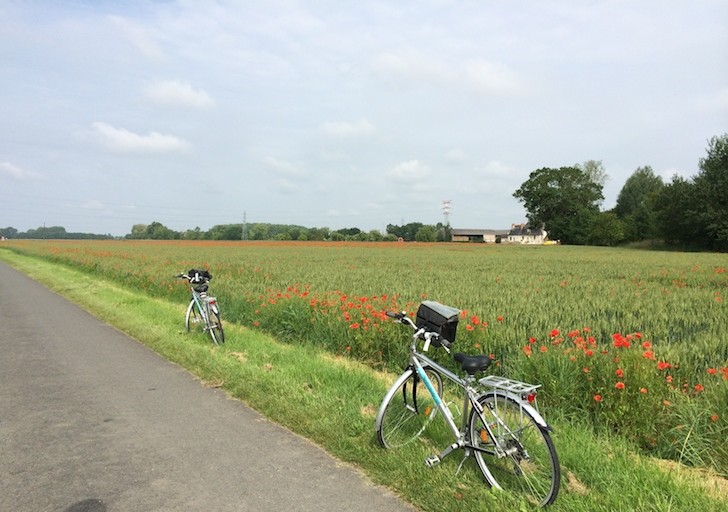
92	420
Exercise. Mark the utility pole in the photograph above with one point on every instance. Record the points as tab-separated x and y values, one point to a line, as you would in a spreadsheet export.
446	208
244	234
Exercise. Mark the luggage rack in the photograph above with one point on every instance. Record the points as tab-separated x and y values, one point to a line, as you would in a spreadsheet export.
514	386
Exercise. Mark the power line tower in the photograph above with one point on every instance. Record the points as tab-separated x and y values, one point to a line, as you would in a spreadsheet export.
244	234
446	209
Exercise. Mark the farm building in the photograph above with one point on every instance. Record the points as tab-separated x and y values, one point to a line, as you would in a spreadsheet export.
479	235
524	234
518	234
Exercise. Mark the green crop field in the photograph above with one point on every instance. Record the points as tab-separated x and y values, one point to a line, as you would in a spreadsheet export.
629	341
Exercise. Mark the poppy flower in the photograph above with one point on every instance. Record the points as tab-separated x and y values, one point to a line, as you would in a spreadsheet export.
597	398
619	385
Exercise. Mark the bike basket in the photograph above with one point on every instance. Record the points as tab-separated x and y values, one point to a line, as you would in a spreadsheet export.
436	317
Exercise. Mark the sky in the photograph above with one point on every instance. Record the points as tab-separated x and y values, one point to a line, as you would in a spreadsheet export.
335	113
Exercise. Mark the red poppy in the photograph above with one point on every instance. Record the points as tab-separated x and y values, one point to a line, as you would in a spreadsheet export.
643	391
554	333
619	373
619	385
597	398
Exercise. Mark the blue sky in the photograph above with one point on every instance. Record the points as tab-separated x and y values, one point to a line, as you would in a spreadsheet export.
342	114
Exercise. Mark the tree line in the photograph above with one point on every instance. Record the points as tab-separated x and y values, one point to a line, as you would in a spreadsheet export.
414	231
686	213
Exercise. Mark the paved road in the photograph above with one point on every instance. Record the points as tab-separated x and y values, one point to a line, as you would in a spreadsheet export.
92	421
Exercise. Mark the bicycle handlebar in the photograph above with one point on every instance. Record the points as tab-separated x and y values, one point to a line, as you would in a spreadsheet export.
420	332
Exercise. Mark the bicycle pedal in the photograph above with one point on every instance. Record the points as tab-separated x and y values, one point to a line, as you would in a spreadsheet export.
432	461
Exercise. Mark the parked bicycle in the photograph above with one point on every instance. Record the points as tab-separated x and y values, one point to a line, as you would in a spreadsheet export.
501	426
203	310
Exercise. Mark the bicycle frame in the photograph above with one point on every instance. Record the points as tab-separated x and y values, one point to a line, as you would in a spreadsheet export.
470	400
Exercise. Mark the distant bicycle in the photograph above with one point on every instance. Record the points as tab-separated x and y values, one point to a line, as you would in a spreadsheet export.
203	311
501	427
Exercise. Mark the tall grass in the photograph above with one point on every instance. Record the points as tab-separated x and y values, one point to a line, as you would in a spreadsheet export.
635	341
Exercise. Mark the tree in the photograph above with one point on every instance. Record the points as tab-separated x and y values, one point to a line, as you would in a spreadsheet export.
158	231
138	232
564	201
636	204
674	211
711	189
8	232
595	170
426	234
606	229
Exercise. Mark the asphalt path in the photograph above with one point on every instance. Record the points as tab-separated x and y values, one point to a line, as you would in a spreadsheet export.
93	421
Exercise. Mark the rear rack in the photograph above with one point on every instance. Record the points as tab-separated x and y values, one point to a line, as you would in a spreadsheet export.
514	386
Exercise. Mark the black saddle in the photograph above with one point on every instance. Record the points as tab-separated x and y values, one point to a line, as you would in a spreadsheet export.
472	364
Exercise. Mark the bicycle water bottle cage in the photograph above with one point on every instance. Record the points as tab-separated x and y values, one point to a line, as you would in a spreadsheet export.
438	318
472	364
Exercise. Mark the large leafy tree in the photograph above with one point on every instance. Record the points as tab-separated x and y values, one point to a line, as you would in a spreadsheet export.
564	201
636	204
711	191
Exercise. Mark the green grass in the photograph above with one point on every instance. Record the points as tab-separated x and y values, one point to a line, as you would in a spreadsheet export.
332	400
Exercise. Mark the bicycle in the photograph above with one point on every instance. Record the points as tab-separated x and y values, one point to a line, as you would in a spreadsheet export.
203	310
501	426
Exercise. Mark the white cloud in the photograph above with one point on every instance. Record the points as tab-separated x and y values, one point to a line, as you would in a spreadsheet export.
281	167
489	77
346	130
93	204
412	67
139	38
122	140
177	94
456	155
8	169
408	172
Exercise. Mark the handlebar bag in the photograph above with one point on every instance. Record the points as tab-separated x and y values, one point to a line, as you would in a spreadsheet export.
436	317
199	276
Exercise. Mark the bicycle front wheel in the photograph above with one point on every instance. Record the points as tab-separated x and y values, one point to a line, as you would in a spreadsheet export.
407	409
192	317
526	462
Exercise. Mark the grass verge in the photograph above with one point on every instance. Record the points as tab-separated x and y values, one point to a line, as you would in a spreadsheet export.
332	401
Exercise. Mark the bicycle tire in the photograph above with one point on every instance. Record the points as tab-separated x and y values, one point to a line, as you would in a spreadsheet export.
531	467
215	327
192	317
407	409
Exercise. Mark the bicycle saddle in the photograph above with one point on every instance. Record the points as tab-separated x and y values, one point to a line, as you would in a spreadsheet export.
472	364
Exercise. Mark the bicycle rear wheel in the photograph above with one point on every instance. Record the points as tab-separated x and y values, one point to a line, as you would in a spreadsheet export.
215	327
530	465
407	409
